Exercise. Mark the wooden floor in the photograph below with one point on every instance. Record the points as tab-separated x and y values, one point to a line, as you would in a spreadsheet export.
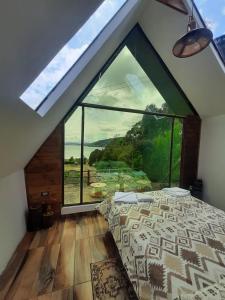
55	263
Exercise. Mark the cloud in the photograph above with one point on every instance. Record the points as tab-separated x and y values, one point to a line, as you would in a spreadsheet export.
99	124
126	80
99	19
202	2
52	74
124	84
223	11
211	24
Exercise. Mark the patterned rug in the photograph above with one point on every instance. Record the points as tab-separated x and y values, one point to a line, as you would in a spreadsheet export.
110	281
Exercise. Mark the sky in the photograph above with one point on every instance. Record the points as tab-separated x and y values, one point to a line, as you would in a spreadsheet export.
99	124
124	84
70	53
213	13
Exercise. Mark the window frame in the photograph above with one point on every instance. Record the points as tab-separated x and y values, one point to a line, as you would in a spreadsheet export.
79	103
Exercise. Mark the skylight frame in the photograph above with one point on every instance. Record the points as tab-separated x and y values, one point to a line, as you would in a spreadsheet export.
78	59
203	23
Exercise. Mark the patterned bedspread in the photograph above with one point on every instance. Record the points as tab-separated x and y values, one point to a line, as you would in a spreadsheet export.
173	248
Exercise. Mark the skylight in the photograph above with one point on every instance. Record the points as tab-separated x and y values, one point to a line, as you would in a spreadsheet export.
47	80
213	14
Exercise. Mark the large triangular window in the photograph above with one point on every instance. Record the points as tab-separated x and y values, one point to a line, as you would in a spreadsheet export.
125	131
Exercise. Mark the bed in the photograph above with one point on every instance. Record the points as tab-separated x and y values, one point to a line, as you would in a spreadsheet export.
172	248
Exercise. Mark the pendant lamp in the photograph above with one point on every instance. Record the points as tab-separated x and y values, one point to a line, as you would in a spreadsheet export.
194	41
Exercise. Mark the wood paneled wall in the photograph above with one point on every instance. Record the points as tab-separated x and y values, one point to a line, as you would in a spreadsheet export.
190	150
44	172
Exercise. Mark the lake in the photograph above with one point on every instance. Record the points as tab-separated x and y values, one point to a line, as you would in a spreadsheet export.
74	150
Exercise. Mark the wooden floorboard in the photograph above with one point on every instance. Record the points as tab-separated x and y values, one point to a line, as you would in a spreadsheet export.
55	263
82	261
83	291
82	224
44	280
22	287
12	271
54	234
98	249
15	264
64	276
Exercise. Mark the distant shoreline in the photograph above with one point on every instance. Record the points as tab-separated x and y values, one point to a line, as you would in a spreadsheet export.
100	143
74	150
85	144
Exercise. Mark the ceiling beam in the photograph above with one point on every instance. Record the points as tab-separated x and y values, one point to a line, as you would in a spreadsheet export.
176	4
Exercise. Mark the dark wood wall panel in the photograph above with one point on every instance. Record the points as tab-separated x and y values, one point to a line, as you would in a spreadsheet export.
44	172
190	150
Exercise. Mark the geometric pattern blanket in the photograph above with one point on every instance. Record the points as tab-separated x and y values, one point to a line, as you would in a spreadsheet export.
172	248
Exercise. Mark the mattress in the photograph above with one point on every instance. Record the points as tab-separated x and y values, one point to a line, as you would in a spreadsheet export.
172	248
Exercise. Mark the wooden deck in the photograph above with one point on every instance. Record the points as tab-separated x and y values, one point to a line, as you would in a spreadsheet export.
55	263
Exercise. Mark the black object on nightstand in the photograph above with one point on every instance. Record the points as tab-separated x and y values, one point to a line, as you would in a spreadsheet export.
197	189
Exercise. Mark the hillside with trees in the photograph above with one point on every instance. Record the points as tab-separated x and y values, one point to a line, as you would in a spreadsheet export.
145	147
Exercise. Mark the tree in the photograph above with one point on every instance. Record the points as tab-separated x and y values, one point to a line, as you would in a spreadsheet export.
95	156
146	147
71	160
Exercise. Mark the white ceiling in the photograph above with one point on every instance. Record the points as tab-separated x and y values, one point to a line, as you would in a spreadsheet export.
33	31
202	76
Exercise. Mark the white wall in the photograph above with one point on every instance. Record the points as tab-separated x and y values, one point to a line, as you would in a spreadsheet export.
212	160
13	205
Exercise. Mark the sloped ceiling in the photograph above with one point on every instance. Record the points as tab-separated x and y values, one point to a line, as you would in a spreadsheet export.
202	76
33	31
31	34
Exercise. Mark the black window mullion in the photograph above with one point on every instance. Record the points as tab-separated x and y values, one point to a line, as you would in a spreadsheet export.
171	151
82	156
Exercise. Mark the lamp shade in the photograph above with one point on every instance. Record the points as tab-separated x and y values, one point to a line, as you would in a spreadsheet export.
192	42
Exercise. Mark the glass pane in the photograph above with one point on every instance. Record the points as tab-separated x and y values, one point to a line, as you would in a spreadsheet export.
72	151
157	72
125	84
124	152
138	79
176	156
156	149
